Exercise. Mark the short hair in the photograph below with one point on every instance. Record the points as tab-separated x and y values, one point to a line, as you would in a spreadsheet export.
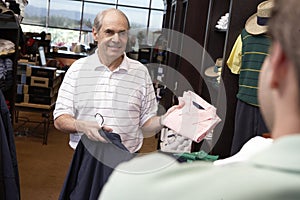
98	21
284	28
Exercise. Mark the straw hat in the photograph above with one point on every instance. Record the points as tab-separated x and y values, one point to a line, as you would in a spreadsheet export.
213	70
257	23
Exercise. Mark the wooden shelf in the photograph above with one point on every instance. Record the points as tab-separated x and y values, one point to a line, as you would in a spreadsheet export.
33	105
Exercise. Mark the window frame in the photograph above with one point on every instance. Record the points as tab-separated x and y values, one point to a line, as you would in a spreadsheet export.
82	30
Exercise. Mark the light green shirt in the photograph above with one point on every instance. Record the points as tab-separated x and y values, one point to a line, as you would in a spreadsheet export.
272	174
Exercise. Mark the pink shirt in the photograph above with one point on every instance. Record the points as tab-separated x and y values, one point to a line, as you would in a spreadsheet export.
195	120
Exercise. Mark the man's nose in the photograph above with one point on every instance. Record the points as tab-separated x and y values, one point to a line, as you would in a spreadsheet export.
116	37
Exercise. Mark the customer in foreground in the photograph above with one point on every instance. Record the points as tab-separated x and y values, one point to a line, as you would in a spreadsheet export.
273	173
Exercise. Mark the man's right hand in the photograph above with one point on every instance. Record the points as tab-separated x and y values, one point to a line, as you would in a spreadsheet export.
91	129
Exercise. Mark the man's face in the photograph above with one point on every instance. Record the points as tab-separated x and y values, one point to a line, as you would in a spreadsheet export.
112	36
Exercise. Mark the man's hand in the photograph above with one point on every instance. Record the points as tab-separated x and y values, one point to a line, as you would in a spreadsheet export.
170	110
155	124
90	129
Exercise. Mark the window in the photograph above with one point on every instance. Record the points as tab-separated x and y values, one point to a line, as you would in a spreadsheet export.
158	4
65	13
71	21
36	13
89	13
156	19
105	1
139	3
132	13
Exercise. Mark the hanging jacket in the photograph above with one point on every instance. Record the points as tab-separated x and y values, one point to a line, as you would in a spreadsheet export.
9	176
92	164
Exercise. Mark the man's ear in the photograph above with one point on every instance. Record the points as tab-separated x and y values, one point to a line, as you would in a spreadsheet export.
278	62
95	34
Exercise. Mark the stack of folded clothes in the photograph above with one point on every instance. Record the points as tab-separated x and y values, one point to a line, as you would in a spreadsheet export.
6	47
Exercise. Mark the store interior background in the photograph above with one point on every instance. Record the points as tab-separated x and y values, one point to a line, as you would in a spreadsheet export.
42	168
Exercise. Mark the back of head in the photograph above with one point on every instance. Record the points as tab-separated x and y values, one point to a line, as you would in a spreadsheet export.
284	27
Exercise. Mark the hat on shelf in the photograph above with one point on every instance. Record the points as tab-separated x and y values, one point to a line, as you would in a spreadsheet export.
213	70
257	23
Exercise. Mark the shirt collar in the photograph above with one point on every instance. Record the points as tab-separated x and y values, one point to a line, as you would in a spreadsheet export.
98	65
281	155
125	63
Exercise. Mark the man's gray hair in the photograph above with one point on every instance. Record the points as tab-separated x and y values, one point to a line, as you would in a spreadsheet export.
99	18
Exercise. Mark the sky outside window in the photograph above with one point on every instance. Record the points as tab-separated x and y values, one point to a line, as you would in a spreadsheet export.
157	4
65	17
137	17
140	3
90	12
105	1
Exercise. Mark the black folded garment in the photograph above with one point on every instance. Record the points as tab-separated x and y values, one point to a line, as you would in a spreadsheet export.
91	166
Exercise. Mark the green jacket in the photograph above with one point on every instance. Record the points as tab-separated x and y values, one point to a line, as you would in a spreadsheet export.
271	174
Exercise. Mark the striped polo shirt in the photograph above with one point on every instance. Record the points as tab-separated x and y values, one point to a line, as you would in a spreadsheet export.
124	97
255	48
246	59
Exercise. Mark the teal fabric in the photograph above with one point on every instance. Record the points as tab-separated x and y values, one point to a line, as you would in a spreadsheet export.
254	50
273	174
196	156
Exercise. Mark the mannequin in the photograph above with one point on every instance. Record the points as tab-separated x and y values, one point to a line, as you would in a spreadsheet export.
246	59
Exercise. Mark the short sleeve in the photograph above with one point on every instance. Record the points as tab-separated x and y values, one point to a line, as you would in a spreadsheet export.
65	99
234	61
149	102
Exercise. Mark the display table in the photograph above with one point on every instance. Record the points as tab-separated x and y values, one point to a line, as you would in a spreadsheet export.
45	110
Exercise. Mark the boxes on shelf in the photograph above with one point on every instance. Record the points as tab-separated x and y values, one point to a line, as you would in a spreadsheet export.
39	81
36	99
38	85
44	82
40	71
42	91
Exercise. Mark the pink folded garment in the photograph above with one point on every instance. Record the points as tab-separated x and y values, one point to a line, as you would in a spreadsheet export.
195	120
